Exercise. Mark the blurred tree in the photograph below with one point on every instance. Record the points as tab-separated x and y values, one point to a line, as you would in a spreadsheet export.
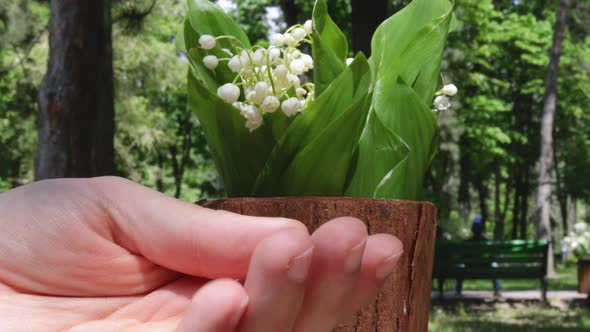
23	59
76	118
543	207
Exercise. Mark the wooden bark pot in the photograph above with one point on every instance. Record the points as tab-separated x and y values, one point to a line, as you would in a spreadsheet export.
584	275
403	303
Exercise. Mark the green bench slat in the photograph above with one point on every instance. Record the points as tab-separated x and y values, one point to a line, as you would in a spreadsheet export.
475	250
491	273
517	259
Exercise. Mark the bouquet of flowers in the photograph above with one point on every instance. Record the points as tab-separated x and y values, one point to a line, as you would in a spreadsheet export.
280	122
578	241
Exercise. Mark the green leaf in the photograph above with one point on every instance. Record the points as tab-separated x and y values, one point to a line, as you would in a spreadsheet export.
405	181
380	150
208	18
406	48
410	45
342	105
238	153
329	48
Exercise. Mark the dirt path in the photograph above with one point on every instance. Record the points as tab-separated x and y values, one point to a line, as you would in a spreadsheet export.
561	295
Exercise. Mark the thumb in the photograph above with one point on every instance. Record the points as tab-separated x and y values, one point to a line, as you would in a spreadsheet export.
181	236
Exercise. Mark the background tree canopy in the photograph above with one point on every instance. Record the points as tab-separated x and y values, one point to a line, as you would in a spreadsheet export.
490	142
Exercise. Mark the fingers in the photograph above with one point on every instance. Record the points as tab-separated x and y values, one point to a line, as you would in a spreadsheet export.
276	281
217	307
182	236
338	251
381	256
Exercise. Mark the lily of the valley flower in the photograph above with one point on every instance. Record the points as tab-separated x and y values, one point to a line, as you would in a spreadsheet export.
207	42
230	93
211	61
291	106
442	103
449	90
270	78
308	26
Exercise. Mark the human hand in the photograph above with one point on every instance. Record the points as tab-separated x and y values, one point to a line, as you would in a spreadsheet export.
106	254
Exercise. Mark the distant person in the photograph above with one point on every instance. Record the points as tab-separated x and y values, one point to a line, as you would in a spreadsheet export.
477	228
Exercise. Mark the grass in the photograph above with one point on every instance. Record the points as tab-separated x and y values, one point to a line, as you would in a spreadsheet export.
508	317
566	279
511	316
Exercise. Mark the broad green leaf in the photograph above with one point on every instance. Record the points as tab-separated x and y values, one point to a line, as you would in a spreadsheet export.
238	153
410	45
405	48
207	18
322	167
329	48
405	181
338	101
379	151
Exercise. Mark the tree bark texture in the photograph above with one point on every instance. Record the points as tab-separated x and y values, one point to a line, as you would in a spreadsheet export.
366	17
76	116
403	303
543	208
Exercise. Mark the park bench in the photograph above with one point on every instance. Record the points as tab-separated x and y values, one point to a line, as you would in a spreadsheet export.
473	260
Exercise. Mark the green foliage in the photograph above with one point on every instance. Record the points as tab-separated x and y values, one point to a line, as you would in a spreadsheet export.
322	151
23	56
158	141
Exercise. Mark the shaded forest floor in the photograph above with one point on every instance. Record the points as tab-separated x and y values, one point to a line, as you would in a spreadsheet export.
519	309
509	316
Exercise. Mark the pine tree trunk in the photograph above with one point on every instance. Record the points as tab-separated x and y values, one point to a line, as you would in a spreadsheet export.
366	17
76	116
543	208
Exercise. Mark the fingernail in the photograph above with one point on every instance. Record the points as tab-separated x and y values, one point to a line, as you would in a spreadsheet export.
235	320
355	256
386	267
299	266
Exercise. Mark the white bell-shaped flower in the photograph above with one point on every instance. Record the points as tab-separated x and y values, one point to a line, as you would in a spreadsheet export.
299	34
277	39
301	92
259	57
290	40
274	53
293	80
349	61
235	65
211	61
308	26
449	90
270	104
281	71
245	58
291	106
207	42
229	93
297	67
442	103
307	60
253	118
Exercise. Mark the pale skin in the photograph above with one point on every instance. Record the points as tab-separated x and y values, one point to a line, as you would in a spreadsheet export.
106	254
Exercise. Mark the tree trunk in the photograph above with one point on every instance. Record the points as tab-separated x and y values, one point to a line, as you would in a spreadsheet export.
524	203
464	177
483	192
516	205
543	208
290	10
366	17
572	214
76	116
499	225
